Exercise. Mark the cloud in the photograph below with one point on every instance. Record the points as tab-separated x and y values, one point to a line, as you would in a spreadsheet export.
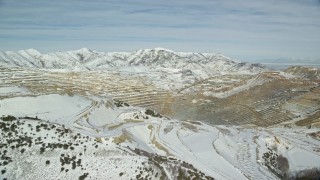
242	29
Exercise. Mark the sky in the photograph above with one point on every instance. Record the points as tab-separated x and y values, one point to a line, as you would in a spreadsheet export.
241	29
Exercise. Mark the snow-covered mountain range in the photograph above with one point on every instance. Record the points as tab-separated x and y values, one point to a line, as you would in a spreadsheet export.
155	58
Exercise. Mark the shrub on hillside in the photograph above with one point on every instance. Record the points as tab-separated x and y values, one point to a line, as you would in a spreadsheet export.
313	173
283	165
152	113
8	118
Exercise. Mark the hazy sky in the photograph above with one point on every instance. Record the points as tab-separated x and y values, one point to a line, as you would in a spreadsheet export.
242	29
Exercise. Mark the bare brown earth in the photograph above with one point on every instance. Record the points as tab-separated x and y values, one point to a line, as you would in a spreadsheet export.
314	119
261	105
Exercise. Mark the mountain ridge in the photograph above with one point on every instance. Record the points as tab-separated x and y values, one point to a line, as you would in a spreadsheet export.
85	58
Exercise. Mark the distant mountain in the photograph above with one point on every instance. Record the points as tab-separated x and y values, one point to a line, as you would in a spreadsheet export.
283	63
155	58
292	60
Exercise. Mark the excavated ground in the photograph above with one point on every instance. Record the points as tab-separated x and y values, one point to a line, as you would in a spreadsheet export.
278	99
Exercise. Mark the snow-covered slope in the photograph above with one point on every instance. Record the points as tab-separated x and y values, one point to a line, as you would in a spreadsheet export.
97	137
92	60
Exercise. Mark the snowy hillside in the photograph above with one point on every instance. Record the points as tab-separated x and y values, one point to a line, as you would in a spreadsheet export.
94	138
92	60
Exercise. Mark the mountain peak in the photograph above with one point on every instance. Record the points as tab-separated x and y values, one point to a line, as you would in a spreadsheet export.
84	50
157	49
31	51
162	49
